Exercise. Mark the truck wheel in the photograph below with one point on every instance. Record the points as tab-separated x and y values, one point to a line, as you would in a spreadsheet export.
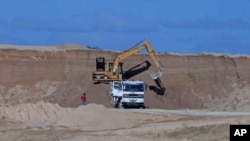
142	107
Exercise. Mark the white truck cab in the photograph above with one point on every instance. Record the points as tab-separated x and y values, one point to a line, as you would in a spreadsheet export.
127	93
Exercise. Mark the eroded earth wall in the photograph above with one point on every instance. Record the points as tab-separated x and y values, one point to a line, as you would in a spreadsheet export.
214	82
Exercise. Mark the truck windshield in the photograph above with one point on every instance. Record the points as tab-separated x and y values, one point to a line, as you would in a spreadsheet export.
134	87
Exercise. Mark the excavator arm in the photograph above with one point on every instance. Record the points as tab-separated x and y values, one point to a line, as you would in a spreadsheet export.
152	54
125	55
154	75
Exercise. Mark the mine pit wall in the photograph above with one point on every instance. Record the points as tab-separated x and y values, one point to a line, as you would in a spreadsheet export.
193	82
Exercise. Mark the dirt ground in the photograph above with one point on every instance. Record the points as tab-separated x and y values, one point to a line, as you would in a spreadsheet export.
45	121
40	97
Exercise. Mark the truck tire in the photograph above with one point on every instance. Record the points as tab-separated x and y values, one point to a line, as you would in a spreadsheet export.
142	107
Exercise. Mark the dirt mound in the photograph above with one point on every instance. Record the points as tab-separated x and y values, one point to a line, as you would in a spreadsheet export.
97	117
90	117
40	113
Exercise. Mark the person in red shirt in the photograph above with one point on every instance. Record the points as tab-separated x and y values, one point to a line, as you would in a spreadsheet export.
84	99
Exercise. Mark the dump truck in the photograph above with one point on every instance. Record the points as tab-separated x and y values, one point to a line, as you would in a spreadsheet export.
127	93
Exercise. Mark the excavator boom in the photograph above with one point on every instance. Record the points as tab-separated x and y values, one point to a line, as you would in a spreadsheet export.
135	49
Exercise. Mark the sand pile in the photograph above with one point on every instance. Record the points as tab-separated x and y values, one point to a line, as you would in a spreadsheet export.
97	117
90	117
37	114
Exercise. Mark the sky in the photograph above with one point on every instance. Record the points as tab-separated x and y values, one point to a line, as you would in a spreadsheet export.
171	26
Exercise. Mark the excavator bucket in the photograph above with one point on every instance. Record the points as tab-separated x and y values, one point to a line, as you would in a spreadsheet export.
160	90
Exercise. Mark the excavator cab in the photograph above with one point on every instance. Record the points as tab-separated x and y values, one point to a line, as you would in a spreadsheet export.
100	64
104	74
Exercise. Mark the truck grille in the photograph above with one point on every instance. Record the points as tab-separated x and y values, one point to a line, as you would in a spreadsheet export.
133	95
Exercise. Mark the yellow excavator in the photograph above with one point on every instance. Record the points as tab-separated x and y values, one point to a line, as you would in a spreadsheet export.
107	72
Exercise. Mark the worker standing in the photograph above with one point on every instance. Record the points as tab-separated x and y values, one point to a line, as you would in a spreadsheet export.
84	99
